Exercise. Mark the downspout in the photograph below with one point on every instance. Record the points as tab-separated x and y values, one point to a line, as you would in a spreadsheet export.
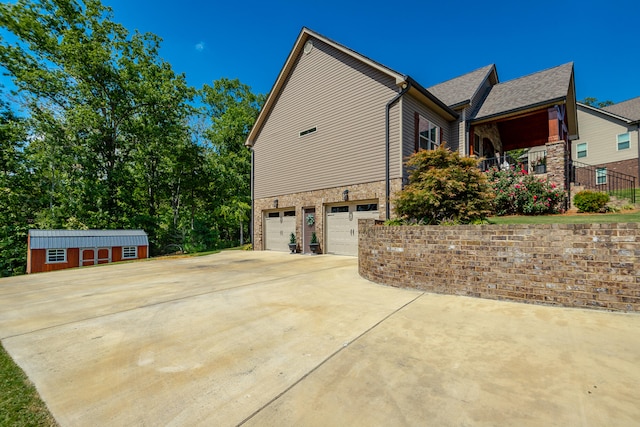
395	99
252	196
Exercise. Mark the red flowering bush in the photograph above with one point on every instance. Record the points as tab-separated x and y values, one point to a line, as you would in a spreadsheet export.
518	193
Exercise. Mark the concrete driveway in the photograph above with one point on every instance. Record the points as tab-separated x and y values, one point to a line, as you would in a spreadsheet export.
259	338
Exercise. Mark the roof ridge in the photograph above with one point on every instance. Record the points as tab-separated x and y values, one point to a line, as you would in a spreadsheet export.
536	72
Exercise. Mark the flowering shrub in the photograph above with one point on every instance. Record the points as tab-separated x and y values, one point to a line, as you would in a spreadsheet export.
517	192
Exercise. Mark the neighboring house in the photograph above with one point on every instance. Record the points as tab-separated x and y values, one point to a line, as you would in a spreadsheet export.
50	250
608	141
329	145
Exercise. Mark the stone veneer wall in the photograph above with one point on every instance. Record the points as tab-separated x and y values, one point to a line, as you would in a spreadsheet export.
318	198
571	265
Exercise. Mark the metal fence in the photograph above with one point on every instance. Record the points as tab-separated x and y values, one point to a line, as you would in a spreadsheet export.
599	178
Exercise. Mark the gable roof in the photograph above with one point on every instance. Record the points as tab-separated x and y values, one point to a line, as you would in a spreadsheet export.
629	109
61	239
545	87
306	34
460	91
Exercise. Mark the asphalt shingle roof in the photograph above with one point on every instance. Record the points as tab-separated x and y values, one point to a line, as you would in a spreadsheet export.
527	91
461	89
628	109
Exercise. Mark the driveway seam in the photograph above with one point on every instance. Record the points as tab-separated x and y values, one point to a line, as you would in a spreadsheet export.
266	282
328	358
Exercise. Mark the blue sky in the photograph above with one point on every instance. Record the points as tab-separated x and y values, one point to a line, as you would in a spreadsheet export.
430	41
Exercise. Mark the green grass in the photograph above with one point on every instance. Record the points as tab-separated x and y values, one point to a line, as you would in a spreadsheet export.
567	219
20	404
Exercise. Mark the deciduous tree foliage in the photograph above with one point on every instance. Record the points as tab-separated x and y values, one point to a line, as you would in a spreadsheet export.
444	187
112	139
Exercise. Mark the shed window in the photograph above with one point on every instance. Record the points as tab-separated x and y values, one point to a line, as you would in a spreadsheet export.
623	141
601	176
129	252
428	134
56	255
582	150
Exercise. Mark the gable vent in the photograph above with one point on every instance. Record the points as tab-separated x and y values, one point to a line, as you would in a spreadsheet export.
308	131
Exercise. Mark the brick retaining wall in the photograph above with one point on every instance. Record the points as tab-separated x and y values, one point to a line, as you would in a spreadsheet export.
571	265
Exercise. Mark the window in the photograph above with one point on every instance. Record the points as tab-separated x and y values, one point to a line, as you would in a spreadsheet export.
623	141
477	147
56	255
129	252
337	209
601	176
308	131
581	150
428	134
367	208
289	213
273	215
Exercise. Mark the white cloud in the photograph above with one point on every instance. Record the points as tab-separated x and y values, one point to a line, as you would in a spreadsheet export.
199	46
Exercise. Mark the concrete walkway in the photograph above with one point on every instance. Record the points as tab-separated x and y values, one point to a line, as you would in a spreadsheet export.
260	338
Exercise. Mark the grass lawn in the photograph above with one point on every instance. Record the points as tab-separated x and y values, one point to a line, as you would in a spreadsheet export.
568	218
20	404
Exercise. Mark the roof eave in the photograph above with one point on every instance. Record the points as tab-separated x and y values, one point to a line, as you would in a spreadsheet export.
520	110
446	111
606	113
304	35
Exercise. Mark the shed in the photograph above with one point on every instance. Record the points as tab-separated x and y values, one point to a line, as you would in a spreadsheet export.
49	250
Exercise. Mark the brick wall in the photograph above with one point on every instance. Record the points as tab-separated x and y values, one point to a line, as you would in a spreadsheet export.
571	265
318	199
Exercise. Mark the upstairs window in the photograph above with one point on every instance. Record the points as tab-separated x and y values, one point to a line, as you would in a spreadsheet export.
429	134
129	252
56	255
623	141
581	150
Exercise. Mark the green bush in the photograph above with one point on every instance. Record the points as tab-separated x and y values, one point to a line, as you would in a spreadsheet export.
518	193
591	201
444	187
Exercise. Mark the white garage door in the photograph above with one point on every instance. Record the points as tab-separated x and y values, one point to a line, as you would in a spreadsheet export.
278	226
342	226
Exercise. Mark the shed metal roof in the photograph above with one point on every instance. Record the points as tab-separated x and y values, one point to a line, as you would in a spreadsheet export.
62	239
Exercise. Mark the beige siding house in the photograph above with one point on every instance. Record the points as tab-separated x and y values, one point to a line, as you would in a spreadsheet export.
329	145
609	138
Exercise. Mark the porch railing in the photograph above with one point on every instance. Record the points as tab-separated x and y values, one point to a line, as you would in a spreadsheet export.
499	162
600	178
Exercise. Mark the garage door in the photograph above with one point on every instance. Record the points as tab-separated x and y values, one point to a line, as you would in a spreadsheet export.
342	226
277	228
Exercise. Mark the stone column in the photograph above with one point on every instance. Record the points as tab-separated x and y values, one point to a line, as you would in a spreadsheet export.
556	159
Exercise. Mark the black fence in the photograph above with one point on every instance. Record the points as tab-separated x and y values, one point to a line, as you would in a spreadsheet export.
599	178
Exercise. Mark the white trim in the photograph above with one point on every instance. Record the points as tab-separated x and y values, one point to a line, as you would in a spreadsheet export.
618	141
49	254
135	252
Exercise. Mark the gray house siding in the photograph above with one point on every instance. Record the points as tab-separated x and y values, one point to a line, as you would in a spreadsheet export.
411	106
344	100
600	132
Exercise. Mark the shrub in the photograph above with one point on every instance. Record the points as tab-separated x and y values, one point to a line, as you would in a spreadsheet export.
443	186
591	201
518	193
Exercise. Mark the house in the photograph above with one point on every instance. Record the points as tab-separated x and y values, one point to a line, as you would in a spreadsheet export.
329	145
609	143
50	250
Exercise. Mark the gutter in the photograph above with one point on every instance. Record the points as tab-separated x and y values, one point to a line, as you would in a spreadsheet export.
253	173
387	147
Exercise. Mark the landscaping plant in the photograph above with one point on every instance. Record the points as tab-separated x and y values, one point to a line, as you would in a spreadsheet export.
444	188
591	201
518	193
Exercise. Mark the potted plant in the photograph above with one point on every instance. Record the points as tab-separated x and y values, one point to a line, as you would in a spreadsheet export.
541	165
292	243
314	245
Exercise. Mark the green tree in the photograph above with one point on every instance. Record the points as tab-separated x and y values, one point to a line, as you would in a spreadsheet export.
589	100
444	187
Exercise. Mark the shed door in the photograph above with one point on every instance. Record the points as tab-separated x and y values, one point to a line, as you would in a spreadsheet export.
342	226
278	226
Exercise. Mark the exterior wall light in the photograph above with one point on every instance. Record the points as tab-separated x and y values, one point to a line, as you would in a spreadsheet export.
275	204
345	195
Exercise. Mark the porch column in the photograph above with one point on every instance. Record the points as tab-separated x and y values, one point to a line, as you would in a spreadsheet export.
554	124
556	160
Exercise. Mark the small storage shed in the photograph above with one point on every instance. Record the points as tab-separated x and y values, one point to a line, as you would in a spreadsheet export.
50	250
